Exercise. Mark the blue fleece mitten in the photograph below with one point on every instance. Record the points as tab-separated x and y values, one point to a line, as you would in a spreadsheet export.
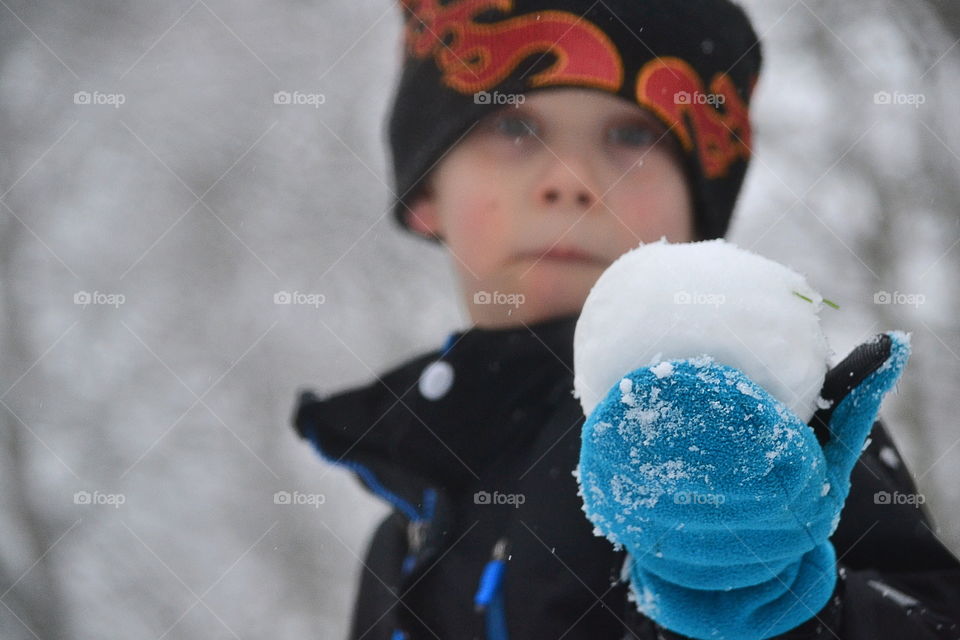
723	497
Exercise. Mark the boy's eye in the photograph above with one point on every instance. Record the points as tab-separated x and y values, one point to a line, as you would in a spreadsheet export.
632	135
515	127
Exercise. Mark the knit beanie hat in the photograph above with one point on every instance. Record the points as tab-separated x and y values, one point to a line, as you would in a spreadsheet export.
692	63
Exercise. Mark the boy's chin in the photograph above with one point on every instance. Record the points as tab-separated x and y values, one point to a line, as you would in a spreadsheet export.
532	293
561	277
551	295
528	314
558	274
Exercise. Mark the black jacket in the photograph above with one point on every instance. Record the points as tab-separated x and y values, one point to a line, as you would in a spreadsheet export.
491	459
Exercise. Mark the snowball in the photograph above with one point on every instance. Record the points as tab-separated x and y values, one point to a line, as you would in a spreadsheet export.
705	300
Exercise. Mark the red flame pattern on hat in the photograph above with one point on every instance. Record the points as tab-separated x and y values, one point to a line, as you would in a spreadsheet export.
673	90
481	54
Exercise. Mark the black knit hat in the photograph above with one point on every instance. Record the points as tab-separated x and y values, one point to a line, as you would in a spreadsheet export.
692	63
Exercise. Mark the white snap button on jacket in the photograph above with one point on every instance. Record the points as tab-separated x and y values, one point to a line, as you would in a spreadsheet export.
436	380
890	457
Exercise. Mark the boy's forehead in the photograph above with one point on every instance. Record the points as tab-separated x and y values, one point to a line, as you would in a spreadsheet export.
585	95
577	102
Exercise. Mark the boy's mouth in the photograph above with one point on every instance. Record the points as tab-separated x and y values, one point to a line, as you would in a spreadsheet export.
566	254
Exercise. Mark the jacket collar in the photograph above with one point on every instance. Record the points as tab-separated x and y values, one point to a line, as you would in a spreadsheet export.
402	437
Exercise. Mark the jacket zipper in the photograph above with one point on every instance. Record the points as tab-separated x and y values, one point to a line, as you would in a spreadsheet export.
489	597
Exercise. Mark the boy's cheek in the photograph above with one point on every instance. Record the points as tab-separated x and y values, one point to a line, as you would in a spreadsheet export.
654	203
481	233
665	213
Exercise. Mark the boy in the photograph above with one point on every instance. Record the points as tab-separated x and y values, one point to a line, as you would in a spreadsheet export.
538	140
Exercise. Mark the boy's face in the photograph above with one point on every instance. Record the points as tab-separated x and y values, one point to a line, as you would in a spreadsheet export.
537	200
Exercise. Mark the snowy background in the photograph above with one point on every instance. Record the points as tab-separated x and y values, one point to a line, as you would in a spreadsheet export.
198	199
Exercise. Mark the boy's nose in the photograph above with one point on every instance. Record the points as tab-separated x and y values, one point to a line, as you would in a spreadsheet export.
577	196
567	182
